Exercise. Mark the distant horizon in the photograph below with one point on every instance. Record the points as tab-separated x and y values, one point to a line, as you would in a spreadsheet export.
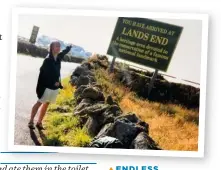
185	63
166	76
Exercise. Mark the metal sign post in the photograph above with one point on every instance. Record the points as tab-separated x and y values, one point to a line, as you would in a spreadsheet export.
152	81
115	52
112	64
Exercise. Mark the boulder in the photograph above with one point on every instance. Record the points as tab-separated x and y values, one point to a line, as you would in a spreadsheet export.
73	80
83	104
92	126
99	115
108	116
130	116
78	92
104	130
97	121
126	77
109	100
82	80
144	126
80	70
88	65
112	112
82	120
92	93
106	142
124	131
92	110
143	141
82	76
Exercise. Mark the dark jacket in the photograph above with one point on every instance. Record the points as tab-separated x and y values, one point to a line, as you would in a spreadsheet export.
50	72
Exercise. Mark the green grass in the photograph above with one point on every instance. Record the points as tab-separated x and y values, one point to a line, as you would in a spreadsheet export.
62	127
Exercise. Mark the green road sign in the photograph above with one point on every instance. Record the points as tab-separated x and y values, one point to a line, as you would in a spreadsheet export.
144	41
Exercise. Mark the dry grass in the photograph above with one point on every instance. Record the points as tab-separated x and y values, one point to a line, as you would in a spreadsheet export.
171	132
173	127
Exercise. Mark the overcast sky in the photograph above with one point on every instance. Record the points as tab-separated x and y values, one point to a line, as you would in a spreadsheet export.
94	35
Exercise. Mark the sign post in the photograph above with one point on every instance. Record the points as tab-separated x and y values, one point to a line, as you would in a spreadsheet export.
34	34
144	41
112	64
152	81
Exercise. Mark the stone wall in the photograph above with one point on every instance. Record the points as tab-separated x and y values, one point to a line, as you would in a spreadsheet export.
163	90
102	117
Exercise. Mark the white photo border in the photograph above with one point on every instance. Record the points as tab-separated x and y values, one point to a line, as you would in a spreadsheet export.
16	11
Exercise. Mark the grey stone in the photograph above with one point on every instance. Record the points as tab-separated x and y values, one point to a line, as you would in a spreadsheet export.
88	65
92	93
106	142
130	116
143	141
83	80
92	126
104	130
113	111
83	104
98	120
73	80
144	126
124	131
109	100
79	71
78	93
108	116
92	110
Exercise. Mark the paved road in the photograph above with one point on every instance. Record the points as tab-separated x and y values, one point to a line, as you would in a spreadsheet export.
27	74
